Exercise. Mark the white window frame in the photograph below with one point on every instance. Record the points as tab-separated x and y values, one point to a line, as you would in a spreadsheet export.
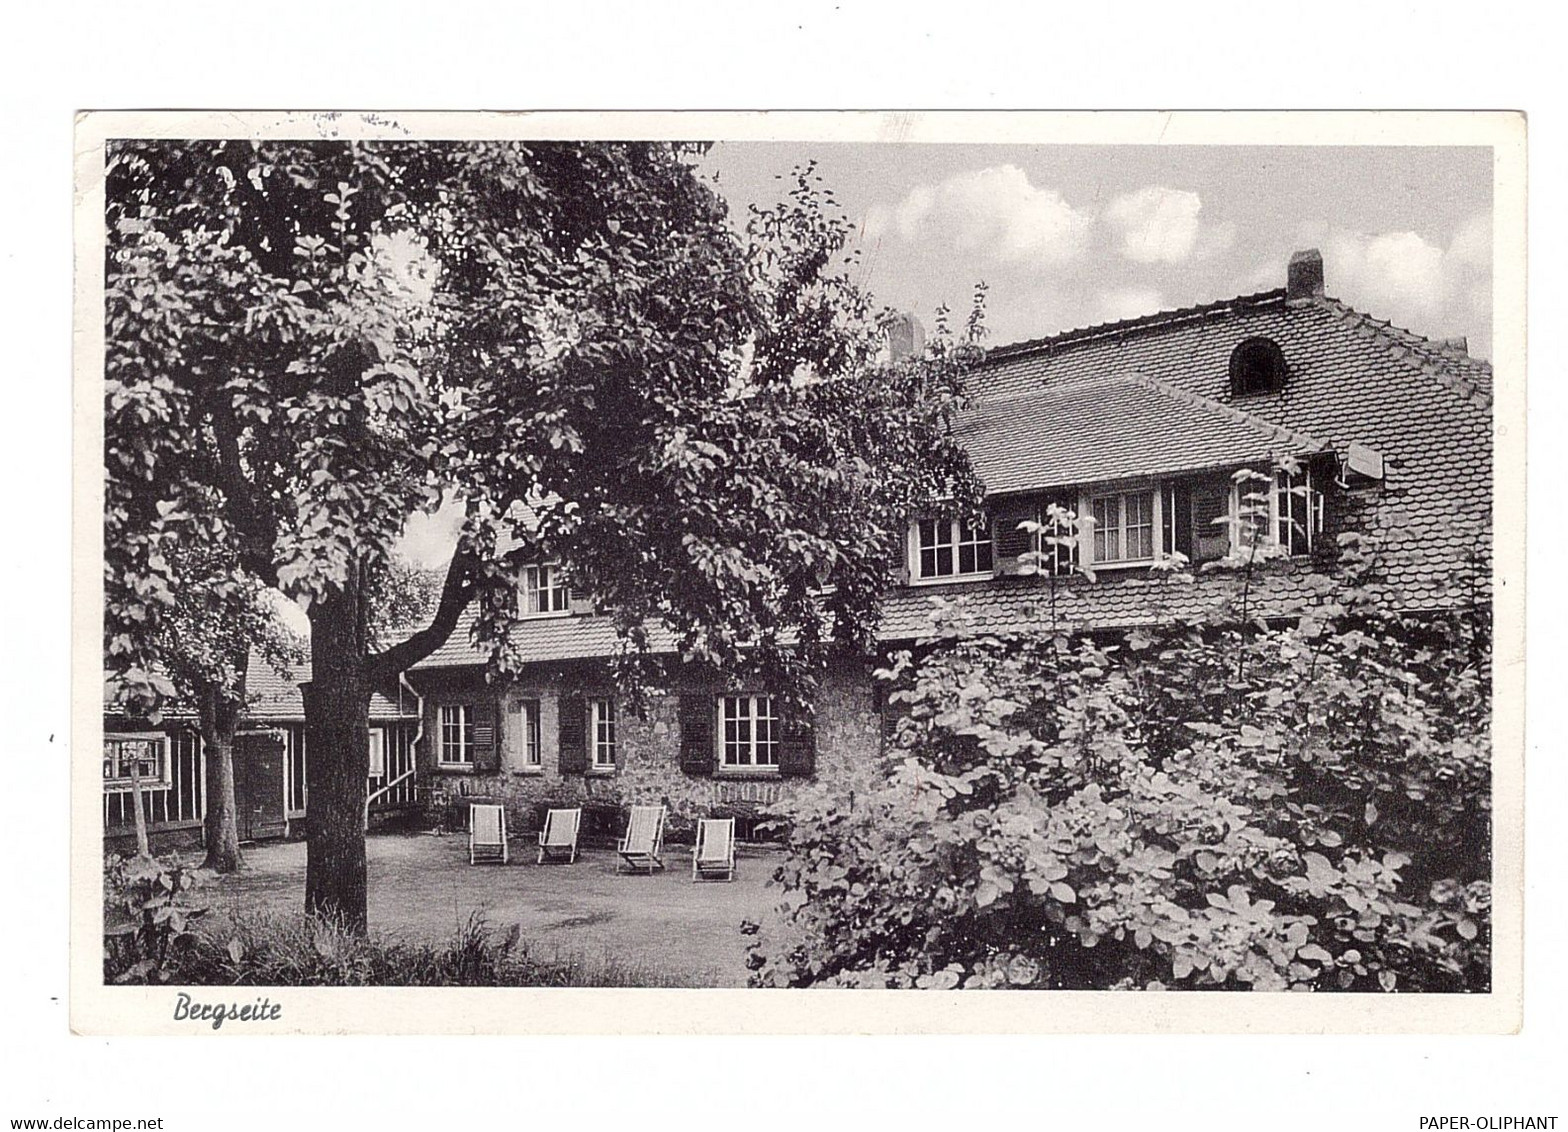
544	592
531	750
602	723
1280	485
118	784
749	755
456	719
954	529
1089	527
378	752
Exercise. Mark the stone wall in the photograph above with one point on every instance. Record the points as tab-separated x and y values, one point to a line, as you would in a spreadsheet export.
648	766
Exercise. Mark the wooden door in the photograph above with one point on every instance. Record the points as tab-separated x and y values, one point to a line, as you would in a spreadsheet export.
258	785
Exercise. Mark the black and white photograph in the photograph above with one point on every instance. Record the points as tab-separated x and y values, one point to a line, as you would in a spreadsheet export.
538	559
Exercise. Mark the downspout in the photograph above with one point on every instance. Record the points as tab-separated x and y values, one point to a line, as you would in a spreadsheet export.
419	728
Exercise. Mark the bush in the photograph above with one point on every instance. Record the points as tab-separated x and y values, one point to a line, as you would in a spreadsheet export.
1226	803
147	916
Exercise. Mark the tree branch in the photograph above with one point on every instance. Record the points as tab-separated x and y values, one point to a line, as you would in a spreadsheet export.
456	592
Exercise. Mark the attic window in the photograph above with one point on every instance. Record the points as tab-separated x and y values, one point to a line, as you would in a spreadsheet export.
1257	366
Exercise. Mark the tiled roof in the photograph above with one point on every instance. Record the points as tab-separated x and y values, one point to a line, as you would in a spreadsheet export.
1351	379
541	639
1115	599
275	696
1424	406
1113	428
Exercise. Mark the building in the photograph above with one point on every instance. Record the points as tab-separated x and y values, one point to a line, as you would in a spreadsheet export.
270	790
1140	424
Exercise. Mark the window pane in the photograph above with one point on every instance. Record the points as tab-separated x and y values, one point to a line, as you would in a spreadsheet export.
944	560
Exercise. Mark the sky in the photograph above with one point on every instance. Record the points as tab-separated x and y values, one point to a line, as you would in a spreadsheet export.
1070	236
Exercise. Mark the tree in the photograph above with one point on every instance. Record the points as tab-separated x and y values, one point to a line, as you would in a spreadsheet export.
327	336
205	642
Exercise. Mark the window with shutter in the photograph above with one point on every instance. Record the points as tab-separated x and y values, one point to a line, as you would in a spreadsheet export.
696	715
797	748
574	735
487	749
1210	510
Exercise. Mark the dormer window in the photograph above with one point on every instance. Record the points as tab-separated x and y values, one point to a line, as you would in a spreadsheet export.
1257	366
951	548
1124	527
544	591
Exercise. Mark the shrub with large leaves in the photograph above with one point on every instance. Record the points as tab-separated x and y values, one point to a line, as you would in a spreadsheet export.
1219	804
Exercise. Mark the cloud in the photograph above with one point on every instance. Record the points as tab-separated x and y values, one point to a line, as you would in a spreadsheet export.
995	211
1158	225
1128	302
1416	282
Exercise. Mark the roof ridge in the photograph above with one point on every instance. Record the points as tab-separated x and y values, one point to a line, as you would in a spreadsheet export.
1139	322
1241	416
1443	364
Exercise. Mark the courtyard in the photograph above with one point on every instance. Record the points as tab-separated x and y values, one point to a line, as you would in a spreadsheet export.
422	890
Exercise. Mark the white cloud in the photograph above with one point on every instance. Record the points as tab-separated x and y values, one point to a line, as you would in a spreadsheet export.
1156	224
1128	302
995	211
1417	283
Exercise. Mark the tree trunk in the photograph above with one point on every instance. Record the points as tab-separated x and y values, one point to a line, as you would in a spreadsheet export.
219	720
337	711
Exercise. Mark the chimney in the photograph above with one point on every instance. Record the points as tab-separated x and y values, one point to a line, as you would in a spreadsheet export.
1460	345
1304	277
905	336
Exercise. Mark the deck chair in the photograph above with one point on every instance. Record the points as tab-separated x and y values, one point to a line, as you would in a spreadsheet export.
714	854
558	838
487	834
644	839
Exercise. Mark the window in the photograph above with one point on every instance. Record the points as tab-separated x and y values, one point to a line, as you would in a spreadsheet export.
457	735
1257	365
1285	510
948	548
750	732
1055	555
601	714
533	758
544	591
147	752
1298	510
1123	527
378	753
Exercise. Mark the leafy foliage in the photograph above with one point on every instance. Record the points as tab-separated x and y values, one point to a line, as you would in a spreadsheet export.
148	917
1218	804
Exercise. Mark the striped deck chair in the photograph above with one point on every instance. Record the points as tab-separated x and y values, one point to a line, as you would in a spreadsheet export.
558	838
714	854
486	834
644	839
